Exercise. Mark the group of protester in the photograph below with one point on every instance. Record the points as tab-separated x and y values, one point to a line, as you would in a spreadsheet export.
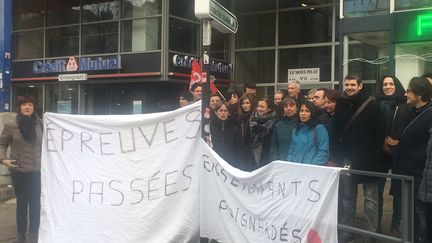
391	131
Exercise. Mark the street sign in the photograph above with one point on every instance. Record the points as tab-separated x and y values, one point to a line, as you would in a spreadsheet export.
223	20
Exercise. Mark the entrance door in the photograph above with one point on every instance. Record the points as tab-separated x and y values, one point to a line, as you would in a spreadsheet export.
108	99
367	54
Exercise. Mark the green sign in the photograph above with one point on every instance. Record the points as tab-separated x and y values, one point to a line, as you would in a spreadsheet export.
424	24
223	16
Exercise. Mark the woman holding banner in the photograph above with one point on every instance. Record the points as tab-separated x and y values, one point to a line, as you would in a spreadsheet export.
24	137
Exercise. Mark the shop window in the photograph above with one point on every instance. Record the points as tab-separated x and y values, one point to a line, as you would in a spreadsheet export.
302	58
62	12
62	42
141	35
257	66
28	44
256	30
302	3
183	9
140	8
316	26
360	8
220	45
410	4
183	36
28	14
100	10
61	98
100	38
247	6
34	90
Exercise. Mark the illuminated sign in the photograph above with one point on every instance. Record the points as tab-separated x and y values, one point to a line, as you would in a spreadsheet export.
73	64
424	23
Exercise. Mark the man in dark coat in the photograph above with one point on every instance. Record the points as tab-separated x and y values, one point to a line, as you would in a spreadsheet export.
360	148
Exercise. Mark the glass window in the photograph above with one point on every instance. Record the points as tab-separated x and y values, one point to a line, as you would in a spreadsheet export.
255	66
183	36
412	60
62	12
98	10
99	38
247	6
220	45
34	90
62	41
28	14
140	8
410	4
356	8
302	3
28	44
61	98
311	57
183	9
141	35
317	20
256	30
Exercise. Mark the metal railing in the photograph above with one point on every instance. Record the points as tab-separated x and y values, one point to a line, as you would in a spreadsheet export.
407	208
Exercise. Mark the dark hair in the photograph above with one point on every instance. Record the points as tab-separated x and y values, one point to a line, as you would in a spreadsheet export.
249	85
186	95
253	100
399	93
215	94
356	77
427	75
195	85
421	86
25	99
287	101
333	95
313	121
325	90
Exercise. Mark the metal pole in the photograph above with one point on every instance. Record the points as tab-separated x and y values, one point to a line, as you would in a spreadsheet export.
206	68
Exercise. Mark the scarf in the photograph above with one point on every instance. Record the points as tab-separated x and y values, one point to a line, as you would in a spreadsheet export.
27	127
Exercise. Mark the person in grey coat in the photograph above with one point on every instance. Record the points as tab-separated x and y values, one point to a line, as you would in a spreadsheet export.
24	137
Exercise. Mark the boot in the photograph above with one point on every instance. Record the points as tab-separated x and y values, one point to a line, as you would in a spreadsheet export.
20	238
33	237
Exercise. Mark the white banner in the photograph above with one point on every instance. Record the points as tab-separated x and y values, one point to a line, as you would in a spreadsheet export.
151	178
121	179
281	202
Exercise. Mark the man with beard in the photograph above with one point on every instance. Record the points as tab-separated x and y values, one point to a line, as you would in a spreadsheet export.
361	137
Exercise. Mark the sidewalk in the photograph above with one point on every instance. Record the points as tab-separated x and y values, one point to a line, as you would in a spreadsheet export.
7	222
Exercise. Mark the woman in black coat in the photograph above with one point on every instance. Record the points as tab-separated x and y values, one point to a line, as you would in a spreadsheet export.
246	107
394	109
225	135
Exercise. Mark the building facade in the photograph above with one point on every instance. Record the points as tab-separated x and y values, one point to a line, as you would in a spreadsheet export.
134	56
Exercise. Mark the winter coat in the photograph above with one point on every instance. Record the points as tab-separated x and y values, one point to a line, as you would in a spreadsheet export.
361	145
325	119
225	139
309	145
245	153
425	190
281	138
261	128
410	156
27	155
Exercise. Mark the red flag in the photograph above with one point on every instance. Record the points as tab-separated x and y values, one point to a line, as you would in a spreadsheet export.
213	88
196	74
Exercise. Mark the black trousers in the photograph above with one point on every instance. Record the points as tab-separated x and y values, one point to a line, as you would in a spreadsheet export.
27	191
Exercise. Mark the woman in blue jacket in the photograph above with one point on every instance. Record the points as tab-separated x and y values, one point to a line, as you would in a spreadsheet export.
309	141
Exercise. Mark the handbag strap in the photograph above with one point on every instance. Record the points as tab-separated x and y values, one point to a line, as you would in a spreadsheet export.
357	112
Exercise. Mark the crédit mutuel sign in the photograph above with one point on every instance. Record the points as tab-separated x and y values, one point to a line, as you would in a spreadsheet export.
74	64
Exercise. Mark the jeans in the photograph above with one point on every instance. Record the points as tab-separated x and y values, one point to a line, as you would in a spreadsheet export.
27	191
349	198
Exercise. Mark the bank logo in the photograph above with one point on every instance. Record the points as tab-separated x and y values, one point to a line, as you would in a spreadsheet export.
72	65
